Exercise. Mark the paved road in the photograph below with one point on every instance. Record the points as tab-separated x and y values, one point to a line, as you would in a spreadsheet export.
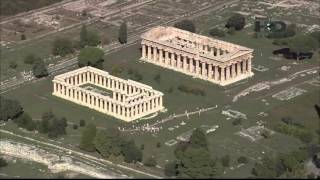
132	39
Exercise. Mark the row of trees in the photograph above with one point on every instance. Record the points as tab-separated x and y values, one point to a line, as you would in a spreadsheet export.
191	90
9	109
302	133
286	165
49	124
108	143
235	22
193	159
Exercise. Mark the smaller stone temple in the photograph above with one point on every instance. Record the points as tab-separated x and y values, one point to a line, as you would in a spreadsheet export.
206	58
91	87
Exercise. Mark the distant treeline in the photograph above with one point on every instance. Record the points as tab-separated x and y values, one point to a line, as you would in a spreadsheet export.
12	7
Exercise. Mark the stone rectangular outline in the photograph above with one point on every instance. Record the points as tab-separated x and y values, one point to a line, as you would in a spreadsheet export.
131	100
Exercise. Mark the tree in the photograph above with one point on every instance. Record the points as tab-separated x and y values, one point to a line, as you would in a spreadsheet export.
88	38
131	152
317	108
242	160
158	144
93	38
216	32
316	35
39	69
9	109
82	123
306	136
231	31
123	33
266	133
302	44
237	21
289	162
31	58
225	161
87	138
157	78
75	126
25	121
142	147
57	127
13	64
150	162
198	139
83	36
270	167
316	160
194	159
108	142
3	162
46	117
23	37
62	47
170	169
186	25
91	56
237	122
52	125
196	163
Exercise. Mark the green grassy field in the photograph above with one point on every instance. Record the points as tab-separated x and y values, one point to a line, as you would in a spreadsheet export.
36	98
43	48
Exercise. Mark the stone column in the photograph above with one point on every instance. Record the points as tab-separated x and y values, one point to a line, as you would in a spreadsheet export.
143	51
172	61
109	83
161	56
249	65
238	68
149	53
160	101
233	70
185	64
222	74
166	58
152	105
54	88
210	75
144	106
203	69
228	73
197	67
191	67
206	48
155	54
216	73
179	61
140	108
88	77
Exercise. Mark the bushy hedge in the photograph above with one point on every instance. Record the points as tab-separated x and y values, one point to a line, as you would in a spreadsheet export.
191	90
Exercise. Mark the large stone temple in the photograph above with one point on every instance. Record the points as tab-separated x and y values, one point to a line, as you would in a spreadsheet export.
91	87
206	58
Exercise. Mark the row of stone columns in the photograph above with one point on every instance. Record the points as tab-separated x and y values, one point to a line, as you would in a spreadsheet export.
116	106
195	66
103	81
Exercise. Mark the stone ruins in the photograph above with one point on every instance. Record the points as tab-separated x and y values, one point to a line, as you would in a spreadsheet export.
206	58
124	99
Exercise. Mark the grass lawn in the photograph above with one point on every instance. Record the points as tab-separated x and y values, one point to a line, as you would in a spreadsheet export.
36	98
43	48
